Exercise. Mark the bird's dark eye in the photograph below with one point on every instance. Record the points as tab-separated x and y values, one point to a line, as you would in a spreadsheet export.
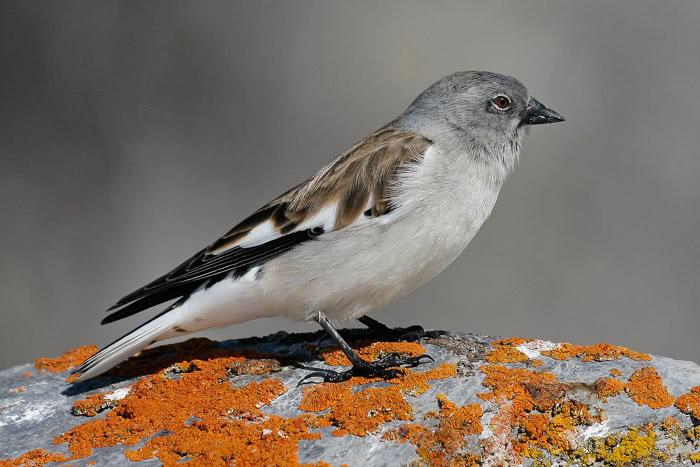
501	102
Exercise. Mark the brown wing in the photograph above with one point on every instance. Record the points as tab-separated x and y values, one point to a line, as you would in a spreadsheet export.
363	172
356	182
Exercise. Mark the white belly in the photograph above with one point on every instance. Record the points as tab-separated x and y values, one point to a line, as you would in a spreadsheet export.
349	272
347	276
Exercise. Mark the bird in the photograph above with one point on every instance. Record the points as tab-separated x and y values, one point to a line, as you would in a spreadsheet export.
380	220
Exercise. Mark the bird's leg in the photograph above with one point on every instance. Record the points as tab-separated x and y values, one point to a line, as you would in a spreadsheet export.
381	368
382	330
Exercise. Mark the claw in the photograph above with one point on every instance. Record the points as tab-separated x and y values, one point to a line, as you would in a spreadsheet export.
426	357
385	368
330	376
395	359
326	374
375	371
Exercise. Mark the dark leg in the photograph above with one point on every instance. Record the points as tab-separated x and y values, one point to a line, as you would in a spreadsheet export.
381	368
383	330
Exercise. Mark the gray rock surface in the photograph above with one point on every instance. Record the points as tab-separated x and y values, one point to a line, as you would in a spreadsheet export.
504	378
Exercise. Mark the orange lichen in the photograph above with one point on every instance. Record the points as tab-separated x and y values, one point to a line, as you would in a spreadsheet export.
513	384
596	352
552	430
230	442
454	422
252	367
185	393
404	432
512	341
670	424
608	387
535	404
505	352
615	372
320	397
439	447
206	420
158	404
690	403
68	360
365	411
91	405
27	374
35	457
17	390
646	387
371	351
536	363
415	383
185	410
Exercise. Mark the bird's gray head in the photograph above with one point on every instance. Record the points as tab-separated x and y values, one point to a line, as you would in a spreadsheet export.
482	111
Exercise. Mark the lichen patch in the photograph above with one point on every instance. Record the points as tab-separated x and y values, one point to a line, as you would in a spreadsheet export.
534	406
533	348
187	411
229	426
442	446
670	424
646	387
361	411
690	403
201	403
608	387
600	352
71	359
372	351
637	445
92	405
506	351
35	457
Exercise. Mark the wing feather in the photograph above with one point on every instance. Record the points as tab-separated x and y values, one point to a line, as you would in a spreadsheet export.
356	183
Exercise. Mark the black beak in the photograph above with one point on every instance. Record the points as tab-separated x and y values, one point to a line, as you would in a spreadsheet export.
536	113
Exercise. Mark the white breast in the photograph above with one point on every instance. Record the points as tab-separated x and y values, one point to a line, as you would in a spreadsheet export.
345	273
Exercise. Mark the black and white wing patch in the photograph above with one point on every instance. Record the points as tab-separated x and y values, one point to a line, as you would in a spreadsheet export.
203	269
356	186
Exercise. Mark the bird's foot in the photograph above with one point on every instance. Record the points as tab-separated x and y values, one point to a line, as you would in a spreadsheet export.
387	367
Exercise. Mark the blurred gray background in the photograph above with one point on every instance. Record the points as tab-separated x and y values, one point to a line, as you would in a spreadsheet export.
133	133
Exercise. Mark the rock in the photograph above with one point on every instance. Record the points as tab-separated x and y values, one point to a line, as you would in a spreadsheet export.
484	401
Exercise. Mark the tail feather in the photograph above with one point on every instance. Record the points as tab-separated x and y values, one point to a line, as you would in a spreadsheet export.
126	346
145	303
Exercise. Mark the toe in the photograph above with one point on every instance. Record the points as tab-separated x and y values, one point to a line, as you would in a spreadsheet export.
395	359
425	358
327	376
